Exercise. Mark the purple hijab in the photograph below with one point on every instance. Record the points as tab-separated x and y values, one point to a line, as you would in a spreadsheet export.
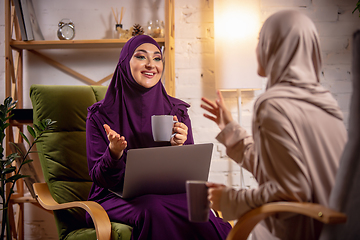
127	107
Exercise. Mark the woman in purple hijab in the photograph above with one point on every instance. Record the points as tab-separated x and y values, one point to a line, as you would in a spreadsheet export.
122	121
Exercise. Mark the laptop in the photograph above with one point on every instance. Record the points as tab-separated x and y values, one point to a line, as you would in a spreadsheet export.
164	170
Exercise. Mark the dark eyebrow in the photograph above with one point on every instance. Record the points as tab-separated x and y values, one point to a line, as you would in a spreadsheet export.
141	50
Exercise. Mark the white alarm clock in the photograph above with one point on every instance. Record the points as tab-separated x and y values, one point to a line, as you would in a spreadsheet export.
66	29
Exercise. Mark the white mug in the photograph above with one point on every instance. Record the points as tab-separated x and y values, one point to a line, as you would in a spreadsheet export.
162	127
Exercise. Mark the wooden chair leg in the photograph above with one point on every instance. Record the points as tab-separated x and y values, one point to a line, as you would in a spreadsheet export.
21	222
12	220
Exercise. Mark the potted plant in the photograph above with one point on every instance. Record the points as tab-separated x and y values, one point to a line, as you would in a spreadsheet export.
8	172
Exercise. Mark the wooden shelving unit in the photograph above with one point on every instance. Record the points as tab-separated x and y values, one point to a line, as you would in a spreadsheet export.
73	44
15	47
33	46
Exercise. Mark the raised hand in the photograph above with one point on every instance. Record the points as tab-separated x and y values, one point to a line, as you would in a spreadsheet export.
220	114
181	132
117	143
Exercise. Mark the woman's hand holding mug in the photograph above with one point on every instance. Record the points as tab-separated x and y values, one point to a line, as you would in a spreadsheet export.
180	132
167	128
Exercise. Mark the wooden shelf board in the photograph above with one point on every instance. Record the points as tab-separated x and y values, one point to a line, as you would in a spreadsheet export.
61	44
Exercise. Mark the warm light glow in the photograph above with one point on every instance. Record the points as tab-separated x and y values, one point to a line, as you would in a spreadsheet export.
236	22
236	27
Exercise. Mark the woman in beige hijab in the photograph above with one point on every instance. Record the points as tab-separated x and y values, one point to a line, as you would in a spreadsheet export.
298	131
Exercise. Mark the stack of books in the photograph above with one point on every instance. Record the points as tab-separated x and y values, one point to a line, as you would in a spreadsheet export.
29	26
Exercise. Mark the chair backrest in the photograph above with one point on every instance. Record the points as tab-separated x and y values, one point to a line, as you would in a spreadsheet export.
345	197
62	152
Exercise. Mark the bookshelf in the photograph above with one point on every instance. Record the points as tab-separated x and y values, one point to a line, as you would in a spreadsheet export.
14	63
32	46
14	48
72	44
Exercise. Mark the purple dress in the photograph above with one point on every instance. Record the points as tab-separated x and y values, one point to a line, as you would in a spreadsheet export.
127	108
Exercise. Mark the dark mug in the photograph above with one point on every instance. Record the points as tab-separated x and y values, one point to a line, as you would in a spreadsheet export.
197	201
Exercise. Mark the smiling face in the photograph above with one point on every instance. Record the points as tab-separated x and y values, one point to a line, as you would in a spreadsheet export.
146	65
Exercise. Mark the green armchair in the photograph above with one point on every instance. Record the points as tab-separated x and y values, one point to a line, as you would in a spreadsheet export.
62	155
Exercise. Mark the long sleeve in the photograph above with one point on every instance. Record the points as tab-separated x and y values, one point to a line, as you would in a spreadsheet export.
282	174
239	145
105	171
181	111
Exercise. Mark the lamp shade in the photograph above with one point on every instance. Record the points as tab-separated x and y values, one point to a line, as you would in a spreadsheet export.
236	28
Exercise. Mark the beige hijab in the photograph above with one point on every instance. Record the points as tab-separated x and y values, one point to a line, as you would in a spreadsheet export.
289	52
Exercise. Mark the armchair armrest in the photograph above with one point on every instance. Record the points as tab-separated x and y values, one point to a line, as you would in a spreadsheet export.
248	221
98	214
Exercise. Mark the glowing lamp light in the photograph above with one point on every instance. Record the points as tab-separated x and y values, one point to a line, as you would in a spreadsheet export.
236	28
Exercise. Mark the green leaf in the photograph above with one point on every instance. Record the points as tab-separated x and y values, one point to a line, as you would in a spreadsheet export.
9	161
8	170
2	135
6	125
13	155
18	149
37	129
14	178
31	131
27	161
42	125
41	139
34	152
357	7
25	138
8	101
48	124
10	116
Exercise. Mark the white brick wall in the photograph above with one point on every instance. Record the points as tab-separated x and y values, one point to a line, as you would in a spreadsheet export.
194	66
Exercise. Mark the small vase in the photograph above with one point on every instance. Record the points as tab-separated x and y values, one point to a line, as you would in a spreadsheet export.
119	32
157	29
150	28
162	29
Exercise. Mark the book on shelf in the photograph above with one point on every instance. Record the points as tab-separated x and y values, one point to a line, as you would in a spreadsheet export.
20	18
33	21
29	26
